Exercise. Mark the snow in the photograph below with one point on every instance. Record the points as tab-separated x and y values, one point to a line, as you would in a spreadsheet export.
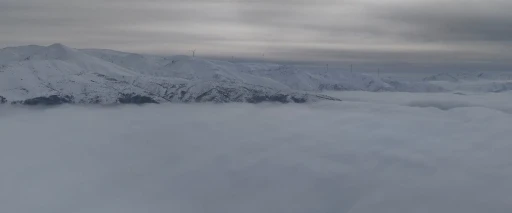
264	74
101	76
10	54
475	82
372	152
63	71
477	85
469	76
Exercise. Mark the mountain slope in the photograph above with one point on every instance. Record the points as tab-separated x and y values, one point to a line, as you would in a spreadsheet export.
58	74
469	76
263	74
10	54
185	67
473	81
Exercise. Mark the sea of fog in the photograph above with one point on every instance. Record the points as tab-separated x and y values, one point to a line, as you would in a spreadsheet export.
373	152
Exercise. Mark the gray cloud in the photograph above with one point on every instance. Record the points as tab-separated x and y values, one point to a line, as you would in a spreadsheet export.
448	21
438	31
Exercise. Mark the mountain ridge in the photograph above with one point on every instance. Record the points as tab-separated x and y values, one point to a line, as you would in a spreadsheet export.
58	74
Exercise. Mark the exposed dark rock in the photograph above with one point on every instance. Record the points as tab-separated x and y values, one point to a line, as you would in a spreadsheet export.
49	101
219	95
333	87
299	100
216	94
136	99
105	77
228	95
280	98
327	98
91	100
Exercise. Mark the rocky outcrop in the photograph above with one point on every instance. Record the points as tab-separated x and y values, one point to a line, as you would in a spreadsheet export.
136	99
279	98
198	93
47	101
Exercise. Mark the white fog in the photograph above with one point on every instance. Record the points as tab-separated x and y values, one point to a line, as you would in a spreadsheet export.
372	152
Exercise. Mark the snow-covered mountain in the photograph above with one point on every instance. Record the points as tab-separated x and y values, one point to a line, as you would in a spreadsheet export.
311	79
59	74
469	76
263	74
473	81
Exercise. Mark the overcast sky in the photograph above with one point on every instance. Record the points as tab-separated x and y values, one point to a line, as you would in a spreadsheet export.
455	32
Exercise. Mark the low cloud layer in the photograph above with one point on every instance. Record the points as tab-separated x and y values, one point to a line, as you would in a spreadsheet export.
438	32
449	153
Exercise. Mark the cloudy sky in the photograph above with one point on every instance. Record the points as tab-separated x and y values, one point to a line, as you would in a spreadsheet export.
422	32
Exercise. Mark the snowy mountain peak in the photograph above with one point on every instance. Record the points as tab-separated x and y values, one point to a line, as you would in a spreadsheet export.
55	52
59	46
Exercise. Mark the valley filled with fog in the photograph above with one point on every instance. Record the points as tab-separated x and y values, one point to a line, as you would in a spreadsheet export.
255	106
372	152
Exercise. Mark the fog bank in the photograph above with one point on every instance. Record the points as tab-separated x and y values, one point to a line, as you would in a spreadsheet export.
354	156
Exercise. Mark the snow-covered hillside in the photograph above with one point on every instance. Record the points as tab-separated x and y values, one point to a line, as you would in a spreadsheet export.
310	79
59	74
473	81
469	76
263	74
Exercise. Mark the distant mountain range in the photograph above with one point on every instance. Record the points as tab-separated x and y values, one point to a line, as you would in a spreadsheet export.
469	76
59	74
